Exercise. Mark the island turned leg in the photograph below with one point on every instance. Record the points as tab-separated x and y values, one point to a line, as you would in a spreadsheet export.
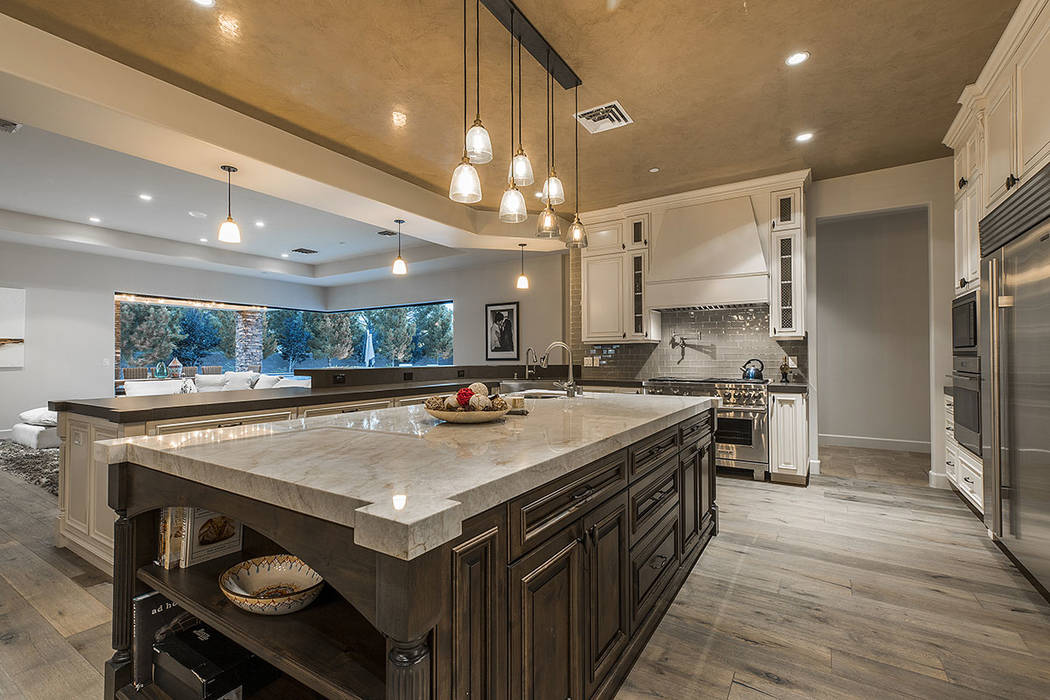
408	670
118	668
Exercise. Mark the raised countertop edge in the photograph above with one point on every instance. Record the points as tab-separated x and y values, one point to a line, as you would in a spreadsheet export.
431	519
789	388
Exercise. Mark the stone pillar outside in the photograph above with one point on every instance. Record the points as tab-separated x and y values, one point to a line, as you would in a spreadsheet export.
249	340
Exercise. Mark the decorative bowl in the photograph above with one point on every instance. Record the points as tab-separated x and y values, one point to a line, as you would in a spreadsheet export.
275	585
467	416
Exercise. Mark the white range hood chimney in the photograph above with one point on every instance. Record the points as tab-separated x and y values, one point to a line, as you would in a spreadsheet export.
706	254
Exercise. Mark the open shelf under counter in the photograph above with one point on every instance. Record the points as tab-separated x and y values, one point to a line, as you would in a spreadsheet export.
328	646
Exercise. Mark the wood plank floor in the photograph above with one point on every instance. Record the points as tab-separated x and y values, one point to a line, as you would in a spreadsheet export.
848	589
893	467
845	589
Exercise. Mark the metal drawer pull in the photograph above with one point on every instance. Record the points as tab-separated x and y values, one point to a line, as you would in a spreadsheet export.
659	496
658	562
585	493
968	480
230	425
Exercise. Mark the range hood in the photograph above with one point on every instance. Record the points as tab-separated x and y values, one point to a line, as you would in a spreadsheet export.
706	254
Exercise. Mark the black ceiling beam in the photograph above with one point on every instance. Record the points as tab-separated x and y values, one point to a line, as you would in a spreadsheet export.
533	41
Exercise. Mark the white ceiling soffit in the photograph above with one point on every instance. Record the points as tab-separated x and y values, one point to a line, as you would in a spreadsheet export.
55	85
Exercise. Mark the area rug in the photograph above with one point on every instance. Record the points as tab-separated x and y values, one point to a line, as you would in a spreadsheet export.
38	467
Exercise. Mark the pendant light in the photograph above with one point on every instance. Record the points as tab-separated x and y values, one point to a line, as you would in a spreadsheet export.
547	225
553	189
512	205
523	281
399	268
229	232
577	235
520	166
479	145
466	185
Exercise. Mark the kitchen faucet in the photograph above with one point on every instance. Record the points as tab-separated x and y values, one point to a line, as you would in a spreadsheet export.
570	387
530	353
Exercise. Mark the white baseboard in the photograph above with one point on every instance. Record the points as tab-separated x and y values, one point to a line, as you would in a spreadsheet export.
5	433
814	466
874	443
938	480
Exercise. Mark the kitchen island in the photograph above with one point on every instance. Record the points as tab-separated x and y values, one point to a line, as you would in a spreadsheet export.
527	558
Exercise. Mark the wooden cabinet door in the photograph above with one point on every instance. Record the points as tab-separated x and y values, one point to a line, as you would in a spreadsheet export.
999	142
606	607
604	238
1033	99
603	279
546	612
972	257
962	237
788	435
478	629
707	481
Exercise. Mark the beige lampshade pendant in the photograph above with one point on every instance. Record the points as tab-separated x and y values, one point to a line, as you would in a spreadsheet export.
399	267
523	281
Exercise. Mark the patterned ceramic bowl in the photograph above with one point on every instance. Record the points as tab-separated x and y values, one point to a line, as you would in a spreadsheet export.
273	585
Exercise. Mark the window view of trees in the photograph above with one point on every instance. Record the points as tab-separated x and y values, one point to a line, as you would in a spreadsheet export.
383	337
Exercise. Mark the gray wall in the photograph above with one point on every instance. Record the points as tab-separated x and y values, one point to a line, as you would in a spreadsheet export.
873	363
69	316
542	308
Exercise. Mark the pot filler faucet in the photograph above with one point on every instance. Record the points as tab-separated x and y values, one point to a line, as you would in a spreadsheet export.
570	387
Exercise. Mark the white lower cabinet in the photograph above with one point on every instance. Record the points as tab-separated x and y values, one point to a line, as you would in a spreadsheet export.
788	438
963	468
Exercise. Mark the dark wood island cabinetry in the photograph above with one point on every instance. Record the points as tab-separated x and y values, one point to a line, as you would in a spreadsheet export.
550	594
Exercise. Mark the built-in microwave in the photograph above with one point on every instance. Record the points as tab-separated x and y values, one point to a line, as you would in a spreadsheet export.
964	324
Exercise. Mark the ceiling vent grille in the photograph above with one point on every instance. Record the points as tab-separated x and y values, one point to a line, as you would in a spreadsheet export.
304	251
9	127
716	307
604	117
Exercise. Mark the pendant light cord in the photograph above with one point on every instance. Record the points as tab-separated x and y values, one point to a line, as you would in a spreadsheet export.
511	176
553	88
477	57
522	246
521	90
229	194
464	78
399	239
576	138
547	113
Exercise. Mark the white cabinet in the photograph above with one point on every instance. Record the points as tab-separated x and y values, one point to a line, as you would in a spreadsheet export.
602	279
1033	99
967	241
786	208
640	323
999	142
788	438
787	285
604	238
637	232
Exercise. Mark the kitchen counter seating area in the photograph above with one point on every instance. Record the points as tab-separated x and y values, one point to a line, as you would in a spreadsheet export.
530	557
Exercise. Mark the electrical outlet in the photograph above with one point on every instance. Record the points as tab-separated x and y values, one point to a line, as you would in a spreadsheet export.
339	379
793	362
461	373
407	376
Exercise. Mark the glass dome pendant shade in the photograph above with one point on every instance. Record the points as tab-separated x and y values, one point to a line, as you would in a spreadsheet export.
521	169
577	234
548	226
229	232
466	185
553	189
512	206
479	145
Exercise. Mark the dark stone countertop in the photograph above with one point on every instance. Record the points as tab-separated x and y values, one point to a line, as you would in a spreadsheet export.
788	388
136	409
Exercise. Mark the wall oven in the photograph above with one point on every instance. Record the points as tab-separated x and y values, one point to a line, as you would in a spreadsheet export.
966	388
964	324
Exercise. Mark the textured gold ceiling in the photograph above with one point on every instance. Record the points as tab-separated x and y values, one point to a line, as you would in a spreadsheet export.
704	80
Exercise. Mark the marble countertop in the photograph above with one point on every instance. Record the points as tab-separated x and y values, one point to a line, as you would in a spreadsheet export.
403	480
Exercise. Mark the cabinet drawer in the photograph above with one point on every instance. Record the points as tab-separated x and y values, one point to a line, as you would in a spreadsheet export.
337	408
653	562
647	454
230	421
540	513
968	476
695	428
653	496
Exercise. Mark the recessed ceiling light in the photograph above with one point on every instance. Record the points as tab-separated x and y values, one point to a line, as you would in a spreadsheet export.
197	214
284	255
260	224
797	58
204	240
145	197
654	170
205	3
804	137
539	194
94	220
399	118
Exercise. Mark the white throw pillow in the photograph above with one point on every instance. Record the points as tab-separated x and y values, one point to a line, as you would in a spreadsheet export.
210	382
152	387
188	387
266	381
39	416
236	381
288	383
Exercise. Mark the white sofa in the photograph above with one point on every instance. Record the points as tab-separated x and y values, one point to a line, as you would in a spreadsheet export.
203	383
36	429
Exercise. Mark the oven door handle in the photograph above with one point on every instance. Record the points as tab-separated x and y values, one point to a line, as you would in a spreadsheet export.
751	411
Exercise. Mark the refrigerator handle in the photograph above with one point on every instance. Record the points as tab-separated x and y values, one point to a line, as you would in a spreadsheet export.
996	375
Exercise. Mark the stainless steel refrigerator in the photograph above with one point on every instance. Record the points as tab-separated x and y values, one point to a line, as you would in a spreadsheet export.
1015	374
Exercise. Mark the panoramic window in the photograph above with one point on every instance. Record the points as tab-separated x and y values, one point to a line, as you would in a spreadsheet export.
151	331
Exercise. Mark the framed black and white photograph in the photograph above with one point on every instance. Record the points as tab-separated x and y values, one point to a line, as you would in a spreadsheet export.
501	331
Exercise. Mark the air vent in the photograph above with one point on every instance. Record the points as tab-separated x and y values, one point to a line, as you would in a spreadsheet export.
604	117
304	251
9	127
715	307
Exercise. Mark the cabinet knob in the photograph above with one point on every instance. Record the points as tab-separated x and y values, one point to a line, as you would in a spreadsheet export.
773	224
623	246
1011	181
963	182
962	282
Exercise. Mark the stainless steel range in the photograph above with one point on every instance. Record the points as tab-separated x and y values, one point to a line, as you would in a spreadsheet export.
742	433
